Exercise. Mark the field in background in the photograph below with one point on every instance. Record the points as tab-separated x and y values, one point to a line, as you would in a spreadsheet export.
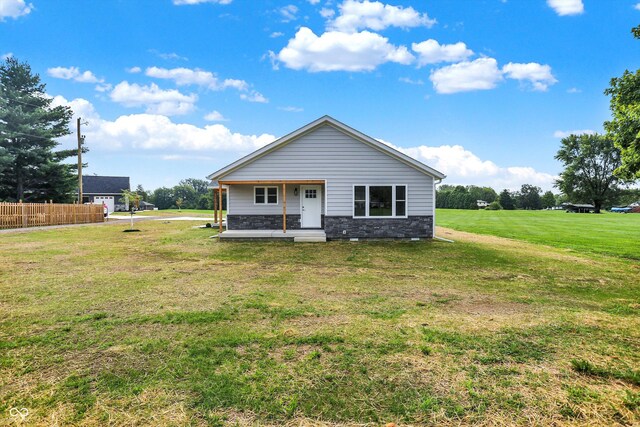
170	327
606	233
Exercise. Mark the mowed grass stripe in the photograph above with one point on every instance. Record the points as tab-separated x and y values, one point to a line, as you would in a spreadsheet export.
606	233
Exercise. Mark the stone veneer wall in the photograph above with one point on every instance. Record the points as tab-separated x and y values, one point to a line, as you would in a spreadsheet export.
378	228
264	222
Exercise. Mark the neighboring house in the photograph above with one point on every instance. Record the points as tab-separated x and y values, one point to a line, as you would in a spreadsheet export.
332	178
482	203
146	206
578	207
105	189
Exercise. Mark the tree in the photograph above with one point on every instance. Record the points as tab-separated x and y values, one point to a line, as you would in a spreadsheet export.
163	198
590	162
30	167
548	200
506	201
142	193
529	197
624	127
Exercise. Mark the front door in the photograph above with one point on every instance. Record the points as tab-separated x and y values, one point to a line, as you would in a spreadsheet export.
311	201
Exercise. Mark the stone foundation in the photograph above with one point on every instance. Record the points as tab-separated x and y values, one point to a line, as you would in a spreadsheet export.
263	222
346	227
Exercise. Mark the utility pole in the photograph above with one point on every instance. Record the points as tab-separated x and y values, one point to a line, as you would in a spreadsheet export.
80	142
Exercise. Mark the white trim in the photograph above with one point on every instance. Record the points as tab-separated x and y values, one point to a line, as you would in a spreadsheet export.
339	126
266	195
393	202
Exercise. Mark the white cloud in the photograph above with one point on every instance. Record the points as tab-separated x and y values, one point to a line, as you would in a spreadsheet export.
327	13
197	77
190	2
289	13
338	51
566	7
432	52
6	55
154	99
313	2
566	133
464	167
133	70
215	116
14	9
73	73
637	6
409	81
104	87
480	74
171	56
574	90
291	109
356	15
276	34
254	97
538	75
157	132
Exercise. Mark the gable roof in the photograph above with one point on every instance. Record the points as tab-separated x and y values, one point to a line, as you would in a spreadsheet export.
92	184
326	120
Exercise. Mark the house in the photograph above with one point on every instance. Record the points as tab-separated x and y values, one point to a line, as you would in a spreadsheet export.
578	208
105	189
331	179
146	206
482	204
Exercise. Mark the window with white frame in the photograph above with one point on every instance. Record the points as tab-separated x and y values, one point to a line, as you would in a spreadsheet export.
376	201
265	195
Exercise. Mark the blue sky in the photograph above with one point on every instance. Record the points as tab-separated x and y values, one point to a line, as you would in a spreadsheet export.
479	89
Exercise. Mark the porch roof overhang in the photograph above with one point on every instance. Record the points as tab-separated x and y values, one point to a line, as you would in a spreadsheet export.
271	181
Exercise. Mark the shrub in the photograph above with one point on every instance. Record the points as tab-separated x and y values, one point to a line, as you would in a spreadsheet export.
494	206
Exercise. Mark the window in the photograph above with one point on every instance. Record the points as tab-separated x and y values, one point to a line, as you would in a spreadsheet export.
310	193
265	195
370	201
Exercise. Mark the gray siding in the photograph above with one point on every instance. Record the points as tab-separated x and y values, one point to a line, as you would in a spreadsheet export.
241	197
328	154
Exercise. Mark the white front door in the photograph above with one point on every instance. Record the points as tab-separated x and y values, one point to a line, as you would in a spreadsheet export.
311	202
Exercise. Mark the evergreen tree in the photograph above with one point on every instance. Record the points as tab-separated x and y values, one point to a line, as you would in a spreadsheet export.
30	168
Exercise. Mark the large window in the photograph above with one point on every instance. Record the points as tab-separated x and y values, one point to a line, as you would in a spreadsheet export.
265	195
379	201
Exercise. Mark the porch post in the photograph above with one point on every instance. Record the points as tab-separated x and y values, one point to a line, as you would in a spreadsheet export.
220	206
215	207
284	207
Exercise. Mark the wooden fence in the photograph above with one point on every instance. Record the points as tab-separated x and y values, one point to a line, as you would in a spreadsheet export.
19	215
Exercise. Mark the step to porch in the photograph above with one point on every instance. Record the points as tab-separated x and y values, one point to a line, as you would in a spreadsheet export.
294	235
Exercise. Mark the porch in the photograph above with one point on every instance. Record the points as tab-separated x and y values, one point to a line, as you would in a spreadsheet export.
272	208
294	235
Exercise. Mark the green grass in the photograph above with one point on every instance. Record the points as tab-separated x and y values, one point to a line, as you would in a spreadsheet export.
606	233
170	327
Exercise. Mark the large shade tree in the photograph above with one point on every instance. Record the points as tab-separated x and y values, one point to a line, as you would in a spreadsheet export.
31	167
624	127
589	165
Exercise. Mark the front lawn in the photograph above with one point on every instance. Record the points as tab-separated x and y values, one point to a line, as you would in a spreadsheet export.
169	327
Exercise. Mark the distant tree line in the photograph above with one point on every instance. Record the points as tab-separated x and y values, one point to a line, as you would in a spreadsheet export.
190	193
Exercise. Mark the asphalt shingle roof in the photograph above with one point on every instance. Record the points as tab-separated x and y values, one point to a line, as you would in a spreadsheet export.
104	184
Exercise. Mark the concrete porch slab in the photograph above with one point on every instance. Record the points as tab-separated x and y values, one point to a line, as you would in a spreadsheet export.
295	235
